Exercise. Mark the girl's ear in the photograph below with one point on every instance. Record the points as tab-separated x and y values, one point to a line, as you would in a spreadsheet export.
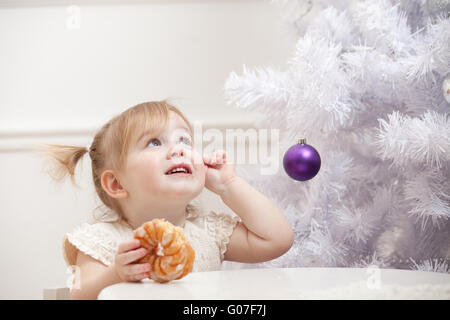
112	186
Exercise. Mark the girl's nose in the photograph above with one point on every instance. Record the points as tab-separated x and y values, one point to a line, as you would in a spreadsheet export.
176	151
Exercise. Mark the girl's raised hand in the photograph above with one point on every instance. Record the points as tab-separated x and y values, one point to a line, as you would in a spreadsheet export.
219	171
127	253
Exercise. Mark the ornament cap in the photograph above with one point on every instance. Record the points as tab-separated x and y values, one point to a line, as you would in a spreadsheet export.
301	140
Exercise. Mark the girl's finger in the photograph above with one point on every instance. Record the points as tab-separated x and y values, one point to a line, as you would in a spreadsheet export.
141	276
135	269
131	256
128	245
206	159
220	158
209	161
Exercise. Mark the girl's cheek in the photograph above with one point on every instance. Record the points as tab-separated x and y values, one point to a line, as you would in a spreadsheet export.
200	166
197	160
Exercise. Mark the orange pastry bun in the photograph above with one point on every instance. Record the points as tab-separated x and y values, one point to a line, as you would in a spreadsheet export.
170	255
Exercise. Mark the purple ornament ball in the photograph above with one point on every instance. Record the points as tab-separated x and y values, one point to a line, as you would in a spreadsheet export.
301	161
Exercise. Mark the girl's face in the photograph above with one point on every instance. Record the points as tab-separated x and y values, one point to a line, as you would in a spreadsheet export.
148	175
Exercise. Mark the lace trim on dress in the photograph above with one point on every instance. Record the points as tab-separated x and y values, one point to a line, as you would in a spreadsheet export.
93	241
221	226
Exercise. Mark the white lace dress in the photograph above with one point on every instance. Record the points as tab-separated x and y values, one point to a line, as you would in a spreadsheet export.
207	234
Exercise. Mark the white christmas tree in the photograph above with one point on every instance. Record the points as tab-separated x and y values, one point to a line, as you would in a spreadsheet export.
368	86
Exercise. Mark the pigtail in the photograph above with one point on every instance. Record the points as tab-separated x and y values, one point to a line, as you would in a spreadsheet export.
62	160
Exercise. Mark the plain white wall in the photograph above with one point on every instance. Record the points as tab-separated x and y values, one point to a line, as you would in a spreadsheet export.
59	85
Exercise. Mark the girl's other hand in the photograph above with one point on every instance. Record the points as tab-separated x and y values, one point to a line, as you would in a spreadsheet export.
127	253
219	171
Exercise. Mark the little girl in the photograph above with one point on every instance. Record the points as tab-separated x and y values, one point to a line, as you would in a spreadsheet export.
132	158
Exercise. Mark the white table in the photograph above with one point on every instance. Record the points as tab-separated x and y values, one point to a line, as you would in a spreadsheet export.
290	283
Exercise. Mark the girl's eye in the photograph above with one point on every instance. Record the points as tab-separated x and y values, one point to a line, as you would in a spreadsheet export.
186	140
154	142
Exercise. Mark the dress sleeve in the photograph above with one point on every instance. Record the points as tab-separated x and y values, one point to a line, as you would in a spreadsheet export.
96	240
220	226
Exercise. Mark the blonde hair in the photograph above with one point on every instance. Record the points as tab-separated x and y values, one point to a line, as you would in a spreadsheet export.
111	145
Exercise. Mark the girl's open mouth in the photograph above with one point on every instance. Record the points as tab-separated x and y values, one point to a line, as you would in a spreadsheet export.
180	170
180	174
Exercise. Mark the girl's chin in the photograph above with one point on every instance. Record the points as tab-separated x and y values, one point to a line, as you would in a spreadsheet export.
191	189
